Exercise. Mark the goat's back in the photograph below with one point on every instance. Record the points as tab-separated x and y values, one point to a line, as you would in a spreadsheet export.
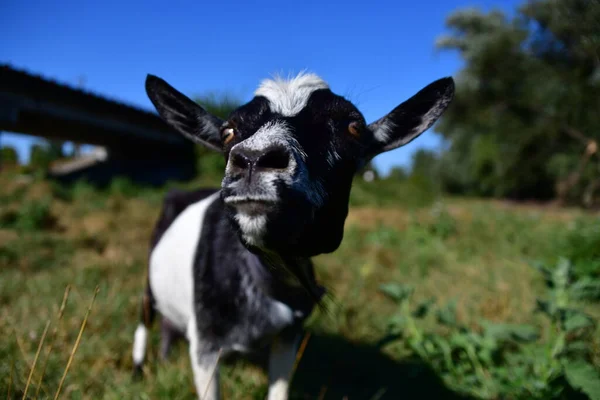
175	201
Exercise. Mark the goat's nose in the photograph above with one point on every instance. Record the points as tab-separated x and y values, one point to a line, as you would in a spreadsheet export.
273	157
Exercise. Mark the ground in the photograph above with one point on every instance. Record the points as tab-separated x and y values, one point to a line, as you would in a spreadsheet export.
471	256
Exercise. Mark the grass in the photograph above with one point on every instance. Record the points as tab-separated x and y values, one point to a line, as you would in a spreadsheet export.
426	290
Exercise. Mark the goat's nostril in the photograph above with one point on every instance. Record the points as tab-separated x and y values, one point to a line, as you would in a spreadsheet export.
274	158
240	161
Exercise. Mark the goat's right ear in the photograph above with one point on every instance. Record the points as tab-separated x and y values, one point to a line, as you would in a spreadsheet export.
183	114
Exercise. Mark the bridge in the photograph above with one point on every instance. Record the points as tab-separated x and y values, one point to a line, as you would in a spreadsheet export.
138	144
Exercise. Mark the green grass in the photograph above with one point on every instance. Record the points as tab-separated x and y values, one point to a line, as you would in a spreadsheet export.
431	296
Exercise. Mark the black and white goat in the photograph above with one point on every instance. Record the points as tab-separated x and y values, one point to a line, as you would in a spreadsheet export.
230	268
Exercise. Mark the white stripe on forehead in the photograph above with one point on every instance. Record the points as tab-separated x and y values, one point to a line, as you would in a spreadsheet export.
289	97
273	132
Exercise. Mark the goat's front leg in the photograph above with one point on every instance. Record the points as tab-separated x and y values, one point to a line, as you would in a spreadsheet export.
281	363
205	366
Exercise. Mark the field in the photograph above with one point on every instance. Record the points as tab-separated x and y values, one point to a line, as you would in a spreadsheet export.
453	298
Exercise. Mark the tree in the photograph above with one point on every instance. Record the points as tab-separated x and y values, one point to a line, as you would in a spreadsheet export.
44	153
397	173
525	122
425	163
8	156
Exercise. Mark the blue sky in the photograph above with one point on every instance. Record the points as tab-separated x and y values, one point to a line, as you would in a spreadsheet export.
376	53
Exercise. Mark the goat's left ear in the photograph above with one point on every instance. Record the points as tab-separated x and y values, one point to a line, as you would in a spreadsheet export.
183	114
413	117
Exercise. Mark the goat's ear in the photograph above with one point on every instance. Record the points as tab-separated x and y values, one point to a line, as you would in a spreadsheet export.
183	114
413	117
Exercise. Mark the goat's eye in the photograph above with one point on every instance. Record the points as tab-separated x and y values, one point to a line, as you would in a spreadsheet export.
228	134
354	128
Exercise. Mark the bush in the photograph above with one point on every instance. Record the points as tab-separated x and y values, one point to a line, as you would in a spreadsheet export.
497	360
582	247
8	156
31	216
414	192
122	186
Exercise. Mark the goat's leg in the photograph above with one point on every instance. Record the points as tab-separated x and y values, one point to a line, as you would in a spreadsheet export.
205	366
281	362
168	334
147	316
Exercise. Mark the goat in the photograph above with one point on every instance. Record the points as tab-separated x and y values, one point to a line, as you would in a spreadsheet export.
230	268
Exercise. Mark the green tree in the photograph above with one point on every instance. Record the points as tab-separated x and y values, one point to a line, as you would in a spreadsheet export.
425	163
8	156
44	153
525	120
425	171
398	173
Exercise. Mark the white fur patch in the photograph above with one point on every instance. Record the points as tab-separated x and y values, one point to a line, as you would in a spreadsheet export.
252	226
283	312
272	133
139	344
384	131
333	156
289	96
205	367
236	199
278	390
171	264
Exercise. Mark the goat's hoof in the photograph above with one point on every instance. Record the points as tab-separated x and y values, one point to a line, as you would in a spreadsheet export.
137	374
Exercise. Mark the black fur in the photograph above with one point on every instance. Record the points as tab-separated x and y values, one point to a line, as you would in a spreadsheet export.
320	129
233	285
233	288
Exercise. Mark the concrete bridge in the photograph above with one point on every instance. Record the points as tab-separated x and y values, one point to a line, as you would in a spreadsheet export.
137	143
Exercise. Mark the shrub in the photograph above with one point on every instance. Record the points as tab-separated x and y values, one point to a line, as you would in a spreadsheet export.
32	215
498	360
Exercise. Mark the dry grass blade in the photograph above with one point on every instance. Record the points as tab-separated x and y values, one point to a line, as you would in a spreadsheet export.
379	394
87	314
21	347
37	354
10	378
53	339
322	393
212	375
299	354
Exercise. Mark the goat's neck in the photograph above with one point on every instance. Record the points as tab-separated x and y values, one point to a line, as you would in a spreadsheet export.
291	271
283	268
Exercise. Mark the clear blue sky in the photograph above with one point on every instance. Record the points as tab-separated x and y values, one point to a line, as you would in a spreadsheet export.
377	53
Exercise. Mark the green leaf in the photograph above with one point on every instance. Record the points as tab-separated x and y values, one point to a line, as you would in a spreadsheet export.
562	273
579	347
505	332
447	314
423	308
397	322
578	321
586	289
584	377
396	291
545	271
459	340
545	307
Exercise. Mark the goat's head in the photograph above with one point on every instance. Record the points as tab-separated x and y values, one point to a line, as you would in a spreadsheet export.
292	152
